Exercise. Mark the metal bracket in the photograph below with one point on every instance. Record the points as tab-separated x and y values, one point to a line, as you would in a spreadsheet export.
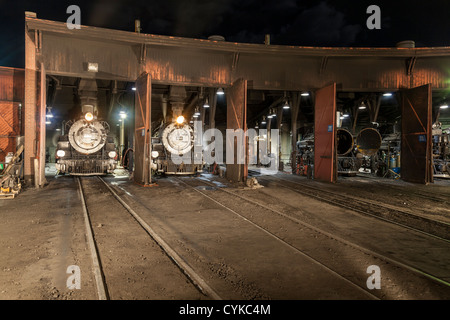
323	64
235	61
143	53
410	64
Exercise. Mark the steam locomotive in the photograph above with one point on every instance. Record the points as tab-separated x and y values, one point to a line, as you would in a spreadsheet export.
86	149
173	149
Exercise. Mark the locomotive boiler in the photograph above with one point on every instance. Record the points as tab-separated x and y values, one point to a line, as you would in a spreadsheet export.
87	148
174	151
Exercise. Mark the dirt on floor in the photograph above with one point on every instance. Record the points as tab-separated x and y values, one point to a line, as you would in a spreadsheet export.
43	235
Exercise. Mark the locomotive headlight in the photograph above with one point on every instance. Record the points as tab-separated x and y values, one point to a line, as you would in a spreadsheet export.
112	154
89	116
155	154
60	153
180	119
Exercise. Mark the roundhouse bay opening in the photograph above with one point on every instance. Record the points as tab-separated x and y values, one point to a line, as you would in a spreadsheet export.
87	125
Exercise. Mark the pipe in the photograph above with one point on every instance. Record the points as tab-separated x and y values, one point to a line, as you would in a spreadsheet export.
368	141
344	142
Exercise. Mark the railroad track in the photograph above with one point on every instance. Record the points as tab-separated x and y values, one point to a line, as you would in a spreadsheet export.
110	279
435	196
427	226
411	275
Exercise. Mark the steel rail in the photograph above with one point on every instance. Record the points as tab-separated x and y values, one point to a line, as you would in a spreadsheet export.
337	238
182	264
98	274
368	212
280	240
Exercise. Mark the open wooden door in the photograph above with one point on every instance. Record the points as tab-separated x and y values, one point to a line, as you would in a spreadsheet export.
142	133
325	168
416	148
237	120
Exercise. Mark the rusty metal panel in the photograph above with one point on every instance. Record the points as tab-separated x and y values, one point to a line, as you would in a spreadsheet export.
142	133
187	66
416	147
237	120
9	127
175	60
325	134
68	56
12	82
431	71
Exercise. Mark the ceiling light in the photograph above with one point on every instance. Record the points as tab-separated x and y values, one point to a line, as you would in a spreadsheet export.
134	88
346	115
387	94
263	120
445	106
305	94
220	92
362	107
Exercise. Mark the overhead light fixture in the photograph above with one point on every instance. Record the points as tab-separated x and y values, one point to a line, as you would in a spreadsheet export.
206	104
134	88
92	67
445	106
48	122
342	117
123	115
269	116
256	125
387	94
274	112
263	120
362	107
286	105
197	112
346	115
305	94
49	113
220	92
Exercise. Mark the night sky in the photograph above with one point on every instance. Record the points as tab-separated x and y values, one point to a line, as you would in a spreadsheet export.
329	23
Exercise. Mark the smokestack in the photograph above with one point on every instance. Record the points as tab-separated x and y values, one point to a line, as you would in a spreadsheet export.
137	26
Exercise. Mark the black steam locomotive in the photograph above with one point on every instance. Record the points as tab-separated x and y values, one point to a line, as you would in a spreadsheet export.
87	148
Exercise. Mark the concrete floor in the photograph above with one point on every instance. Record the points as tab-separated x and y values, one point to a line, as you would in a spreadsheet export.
43	233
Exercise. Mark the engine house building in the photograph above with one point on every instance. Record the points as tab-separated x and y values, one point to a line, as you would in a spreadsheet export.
257	79
329	140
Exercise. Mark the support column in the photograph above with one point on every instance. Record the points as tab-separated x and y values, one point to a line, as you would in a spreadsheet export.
237	166
42	126
30	109
294	115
